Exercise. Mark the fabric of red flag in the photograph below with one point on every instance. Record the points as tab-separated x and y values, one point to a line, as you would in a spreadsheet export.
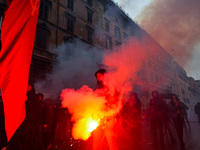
17	37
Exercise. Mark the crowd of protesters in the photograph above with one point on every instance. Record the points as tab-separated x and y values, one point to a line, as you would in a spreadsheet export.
47	125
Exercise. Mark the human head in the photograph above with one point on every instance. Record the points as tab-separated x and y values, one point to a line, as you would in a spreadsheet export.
174	98
31	87
100	74
155	93
40	96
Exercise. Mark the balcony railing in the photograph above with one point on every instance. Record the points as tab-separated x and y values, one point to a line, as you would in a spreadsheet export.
44	54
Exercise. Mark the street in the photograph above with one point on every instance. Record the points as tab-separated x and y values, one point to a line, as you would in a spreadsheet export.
191	138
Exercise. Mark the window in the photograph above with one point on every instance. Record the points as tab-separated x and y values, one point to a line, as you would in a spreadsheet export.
42	36
108	42
70	23
89	15
107	25
70	4
44	9
89	2
117	33
183	92
90	33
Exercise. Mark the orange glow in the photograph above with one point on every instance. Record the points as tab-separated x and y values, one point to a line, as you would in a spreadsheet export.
87	108
83	128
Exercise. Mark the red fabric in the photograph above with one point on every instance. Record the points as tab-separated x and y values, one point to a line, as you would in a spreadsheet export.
17	37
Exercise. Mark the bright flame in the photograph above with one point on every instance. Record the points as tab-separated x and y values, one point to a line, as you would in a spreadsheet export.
88	108
84	127
93	125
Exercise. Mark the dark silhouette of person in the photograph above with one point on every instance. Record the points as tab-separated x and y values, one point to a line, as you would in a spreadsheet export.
176	110
104	136
156	111
197	110
31	130
133	121
168	125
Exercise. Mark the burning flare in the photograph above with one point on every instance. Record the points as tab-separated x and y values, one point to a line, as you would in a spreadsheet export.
83	128
92	125
87	108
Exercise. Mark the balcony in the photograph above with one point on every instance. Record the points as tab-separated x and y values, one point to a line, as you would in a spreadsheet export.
43	55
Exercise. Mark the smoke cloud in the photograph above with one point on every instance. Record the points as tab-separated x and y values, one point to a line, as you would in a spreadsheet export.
75	65
133	7
175	25
86	104
193	67
124	64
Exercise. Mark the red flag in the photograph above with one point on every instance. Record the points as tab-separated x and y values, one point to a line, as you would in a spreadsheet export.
17	37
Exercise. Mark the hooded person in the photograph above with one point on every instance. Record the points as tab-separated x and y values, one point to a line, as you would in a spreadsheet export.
31	120
105	133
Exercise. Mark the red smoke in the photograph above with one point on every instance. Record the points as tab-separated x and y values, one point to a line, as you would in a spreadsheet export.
87	105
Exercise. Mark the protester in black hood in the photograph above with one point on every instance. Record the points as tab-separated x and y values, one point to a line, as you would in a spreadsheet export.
106	130
31	120
176	110
156	111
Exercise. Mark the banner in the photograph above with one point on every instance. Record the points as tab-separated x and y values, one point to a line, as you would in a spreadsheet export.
17	37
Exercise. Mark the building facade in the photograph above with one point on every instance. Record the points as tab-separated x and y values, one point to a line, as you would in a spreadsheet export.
103	24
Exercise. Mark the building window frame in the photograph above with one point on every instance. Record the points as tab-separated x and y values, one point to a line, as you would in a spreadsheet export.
89	15
45	7
70	5
71	20
107	25
108	42
89	2
42	32
90	34
117	33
